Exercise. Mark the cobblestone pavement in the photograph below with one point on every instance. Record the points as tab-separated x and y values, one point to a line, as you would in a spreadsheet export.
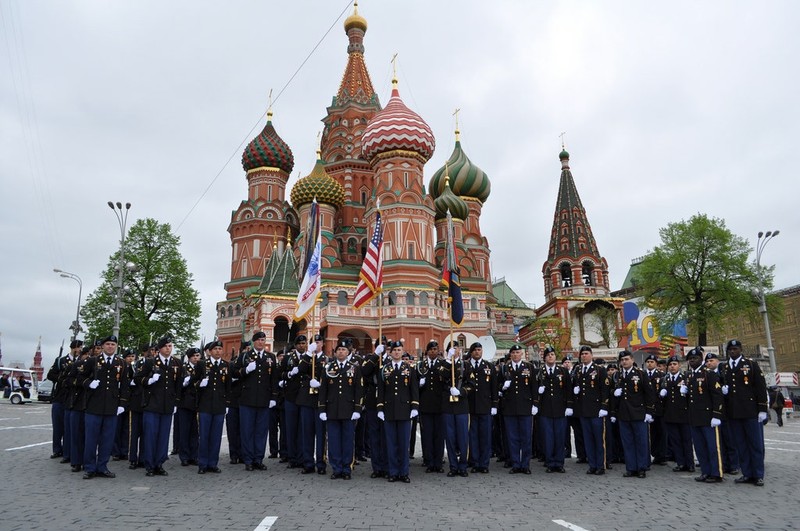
40	493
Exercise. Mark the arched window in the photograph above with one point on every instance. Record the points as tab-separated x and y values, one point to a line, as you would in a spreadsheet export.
238	309
473	303
351	245
392	298
323	299
341	298
566	275
423	299
410	298
586	273
222	313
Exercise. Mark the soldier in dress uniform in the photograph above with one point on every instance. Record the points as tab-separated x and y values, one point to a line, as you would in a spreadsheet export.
704	393
58	413
160	381
658	436
187	408
481	383
371	372
122	437
747	406
213	388
76	406
340	404
573	422
520	385
676	416
554	401
232	424
135	436
259	377
592	392
106	398
312	427
455	411
730	454
277	421
290	369
633	406
398	403
430	408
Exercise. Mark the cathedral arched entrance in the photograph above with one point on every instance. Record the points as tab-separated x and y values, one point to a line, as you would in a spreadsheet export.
284	332
361	340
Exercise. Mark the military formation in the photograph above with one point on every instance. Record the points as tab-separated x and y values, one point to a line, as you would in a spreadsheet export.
328	412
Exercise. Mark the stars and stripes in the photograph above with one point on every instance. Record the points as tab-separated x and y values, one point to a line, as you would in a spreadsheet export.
371	275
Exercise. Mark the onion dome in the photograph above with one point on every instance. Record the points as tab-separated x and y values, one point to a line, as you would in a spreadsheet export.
397	127
317	184
355	20
268	150
564	158
447	200
466	179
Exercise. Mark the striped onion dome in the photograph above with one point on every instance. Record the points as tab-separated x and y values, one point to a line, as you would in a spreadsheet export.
268	150
466	179
447	200
397	127
320	185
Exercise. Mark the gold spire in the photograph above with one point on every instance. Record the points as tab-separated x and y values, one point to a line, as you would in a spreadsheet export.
319	145
394	71
458	133
269	107
288	237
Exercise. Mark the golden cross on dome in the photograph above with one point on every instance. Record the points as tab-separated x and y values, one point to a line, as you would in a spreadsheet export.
394	68
319	145
458	133
562	138
269	106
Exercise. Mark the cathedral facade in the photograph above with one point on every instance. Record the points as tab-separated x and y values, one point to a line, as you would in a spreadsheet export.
371	157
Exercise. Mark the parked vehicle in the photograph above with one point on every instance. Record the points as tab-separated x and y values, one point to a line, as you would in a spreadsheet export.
20	386
45	391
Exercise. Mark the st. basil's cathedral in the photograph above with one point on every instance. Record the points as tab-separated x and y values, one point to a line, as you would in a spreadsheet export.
372	156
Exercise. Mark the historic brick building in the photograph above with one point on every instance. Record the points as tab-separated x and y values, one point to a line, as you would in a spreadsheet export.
369	156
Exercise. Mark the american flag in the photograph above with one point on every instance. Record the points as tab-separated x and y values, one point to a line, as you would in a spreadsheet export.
371	275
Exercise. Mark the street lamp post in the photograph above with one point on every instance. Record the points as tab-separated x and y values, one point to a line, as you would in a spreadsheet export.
76	324
122	218
763	239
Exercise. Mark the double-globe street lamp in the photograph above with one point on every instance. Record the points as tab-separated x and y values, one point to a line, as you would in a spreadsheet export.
76	324
118	284
763	239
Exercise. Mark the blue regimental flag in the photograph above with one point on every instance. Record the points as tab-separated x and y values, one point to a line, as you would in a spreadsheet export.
451	280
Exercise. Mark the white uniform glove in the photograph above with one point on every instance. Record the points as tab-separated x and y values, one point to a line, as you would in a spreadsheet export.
379	349
454	391
323	416
603	413
133	384
250	367
541	389
648	418
725	390
314	383
414	413
355	416
715	423
576	390
120	410
618	392
450	353
272	404
506	385
422	381
381	415
293	372
174	410
204	382
684	390
762	416
94	384
226	410
186	381
153	379
662	393
493	411
312	347
281	384
568	412
534	410
613	420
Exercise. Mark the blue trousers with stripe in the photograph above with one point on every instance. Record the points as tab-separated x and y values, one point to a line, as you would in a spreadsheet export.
706	446
748	436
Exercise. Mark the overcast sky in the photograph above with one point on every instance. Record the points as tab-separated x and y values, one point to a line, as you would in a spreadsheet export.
669	108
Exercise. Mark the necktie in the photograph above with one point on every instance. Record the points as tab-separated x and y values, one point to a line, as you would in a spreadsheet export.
584	369
550	371
108	360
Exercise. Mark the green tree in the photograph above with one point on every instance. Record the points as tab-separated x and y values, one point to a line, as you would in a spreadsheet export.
158	297
545	331
699	273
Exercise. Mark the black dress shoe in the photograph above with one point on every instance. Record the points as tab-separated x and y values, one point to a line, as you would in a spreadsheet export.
346	476
272	456
701	478
743	479
150	473
713	479
452	474
513	470
463	474
259	466
758	482
201	470
214	470
475	470
88	475
599	472
56	455
335	475
307	471
248	468
630	474
430	469
392	479
591	471
322	471
550	470
283	460
76	468
161	472
404	479
526	471
106	474
64	460
132	466
184	463
235	461
174	452
560	470
483	470
376	475
732	471
582	461
293	465
117	458
679	468
641	474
